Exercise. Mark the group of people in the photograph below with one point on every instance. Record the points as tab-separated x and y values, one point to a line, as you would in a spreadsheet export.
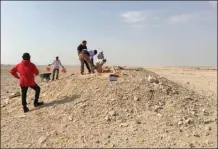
86	57
26	71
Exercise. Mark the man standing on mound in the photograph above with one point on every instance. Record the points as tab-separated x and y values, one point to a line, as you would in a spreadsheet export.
27	72
56	65
85	57
80	48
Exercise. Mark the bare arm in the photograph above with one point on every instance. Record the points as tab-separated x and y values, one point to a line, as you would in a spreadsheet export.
51	63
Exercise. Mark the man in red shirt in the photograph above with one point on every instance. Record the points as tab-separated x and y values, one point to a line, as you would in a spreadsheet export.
27	72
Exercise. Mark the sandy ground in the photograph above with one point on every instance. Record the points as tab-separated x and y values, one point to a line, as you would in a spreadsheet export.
87	111
201	80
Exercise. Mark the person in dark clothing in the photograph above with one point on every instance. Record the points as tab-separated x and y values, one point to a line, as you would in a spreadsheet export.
80	48
27	72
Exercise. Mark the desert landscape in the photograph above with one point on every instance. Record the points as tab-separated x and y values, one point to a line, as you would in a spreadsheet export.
179	110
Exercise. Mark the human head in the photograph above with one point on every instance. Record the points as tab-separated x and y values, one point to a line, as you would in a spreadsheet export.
26	56
95	52
104	60
84	42
57	57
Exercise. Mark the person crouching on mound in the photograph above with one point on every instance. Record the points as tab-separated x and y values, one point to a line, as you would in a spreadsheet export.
99	65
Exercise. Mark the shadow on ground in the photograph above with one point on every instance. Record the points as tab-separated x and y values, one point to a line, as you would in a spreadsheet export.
65	100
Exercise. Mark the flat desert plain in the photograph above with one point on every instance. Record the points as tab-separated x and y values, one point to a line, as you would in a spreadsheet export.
90	111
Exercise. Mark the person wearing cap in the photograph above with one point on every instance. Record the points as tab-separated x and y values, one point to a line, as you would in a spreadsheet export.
80	48
56	65
99	65
27	72
100	62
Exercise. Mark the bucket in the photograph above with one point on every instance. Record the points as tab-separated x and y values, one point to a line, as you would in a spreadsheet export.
111	78
48	68
64	70
114	75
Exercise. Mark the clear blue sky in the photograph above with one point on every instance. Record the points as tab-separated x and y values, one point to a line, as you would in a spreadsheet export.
130	33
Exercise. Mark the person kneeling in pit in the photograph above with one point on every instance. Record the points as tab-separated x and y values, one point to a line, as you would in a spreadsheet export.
99	65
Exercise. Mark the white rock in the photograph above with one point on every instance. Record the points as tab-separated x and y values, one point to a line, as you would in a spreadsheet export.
125	98
160	103
107	118
188	121
180	123
3	106
42	139
136	98
70	118
124	125
152	79
7	101
160	115
22	116
112	113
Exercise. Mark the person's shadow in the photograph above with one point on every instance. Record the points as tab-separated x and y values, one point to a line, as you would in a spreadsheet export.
66	99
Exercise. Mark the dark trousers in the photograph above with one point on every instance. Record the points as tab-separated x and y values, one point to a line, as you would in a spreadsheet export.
82	62
24	94
54	72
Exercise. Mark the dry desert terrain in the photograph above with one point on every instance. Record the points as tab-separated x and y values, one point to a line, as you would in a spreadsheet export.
89	111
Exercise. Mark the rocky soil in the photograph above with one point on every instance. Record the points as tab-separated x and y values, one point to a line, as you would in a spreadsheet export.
91	111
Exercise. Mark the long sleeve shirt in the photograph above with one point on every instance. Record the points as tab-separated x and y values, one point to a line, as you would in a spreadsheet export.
91	54
27	72
56	64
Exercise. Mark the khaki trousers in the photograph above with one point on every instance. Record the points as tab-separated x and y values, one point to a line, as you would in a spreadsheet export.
83	58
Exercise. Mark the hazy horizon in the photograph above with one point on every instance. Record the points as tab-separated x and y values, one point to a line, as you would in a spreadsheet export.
134	33
78	65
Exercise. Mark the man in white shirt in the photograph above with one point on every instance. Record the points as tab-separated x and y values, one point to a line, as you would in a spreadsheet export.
56	65
92	53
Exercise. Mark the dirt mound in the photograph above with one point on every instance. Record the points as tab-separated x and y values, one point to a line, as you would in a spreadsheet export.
91	111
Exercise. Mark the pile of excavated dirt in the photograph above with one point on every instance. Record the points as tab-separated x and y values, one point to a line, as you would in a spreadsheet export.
91	111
